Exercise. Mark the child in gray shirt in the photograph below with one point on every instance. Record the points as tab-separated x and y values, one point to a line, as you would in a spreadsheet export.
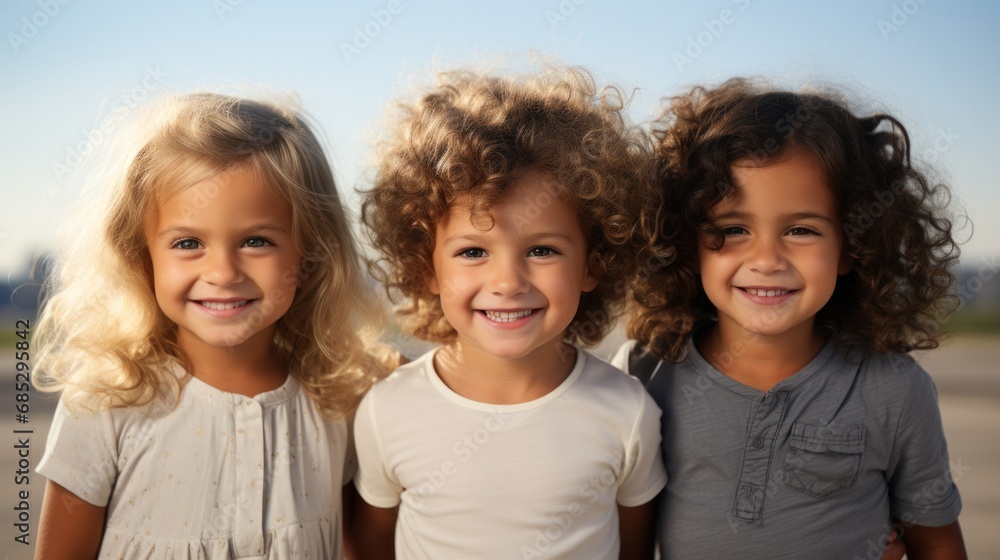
803	256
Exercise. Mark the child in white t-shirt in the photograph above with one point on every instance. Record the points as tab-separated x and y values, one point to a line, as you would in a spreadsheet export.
506	211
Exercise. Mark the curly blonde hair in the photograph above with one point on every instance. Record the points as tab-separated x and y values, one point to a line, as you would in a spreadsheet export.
473	136
899	233
103	339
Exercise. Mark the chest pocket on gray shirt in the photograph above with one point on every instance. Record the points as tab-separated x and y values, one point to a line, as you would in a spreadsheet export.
823	460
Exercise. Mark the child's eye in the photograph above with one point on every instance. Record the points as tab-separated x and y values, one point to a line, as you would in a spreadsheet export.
542	252
801	231
186	244
255	242
733	230
472	253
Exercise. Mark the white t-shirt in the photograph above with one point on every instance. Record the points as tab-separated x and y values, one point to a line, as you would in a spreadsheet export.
540	479
220	476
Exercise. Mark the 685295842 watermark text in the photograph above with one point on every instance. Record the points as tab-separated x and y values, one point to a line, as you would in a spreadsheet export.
21	432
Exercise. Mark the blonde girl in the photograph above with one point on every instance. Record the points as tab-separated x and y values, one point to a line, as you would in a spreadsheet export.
209	328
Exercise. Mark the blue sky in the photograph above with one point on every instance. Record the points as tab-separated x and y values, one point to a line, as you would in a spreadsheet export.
932	63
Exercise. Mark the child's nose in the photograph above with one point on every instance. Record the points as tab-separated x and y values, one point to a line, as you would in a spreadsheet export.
767	256
507	277
222	269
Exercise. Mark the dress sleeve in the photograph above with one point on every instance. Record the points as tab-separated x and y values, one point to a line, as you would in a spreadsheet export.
373	479
81	454
350	456
643	474
921	488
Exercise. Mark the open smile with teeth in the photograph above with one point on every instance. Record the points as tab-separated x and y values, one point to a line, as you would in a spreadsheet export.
224	305
507	316
767	293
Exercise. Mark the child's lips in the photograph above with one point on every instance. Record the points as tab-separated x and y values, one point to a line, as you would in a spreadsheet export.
224	308
221	305
768	292
767	295
507	316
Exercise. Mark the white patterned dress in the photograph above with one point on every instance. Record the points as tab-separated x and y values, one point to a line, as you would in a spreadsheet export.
219	476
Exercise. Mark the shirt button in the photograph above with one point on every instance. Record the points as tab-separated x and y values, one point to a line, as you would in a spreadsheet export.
758	442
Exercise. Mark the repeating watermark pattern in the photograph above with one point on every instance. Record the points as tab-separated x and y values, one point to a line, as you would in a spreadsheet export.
32	25
74	155
255	320
987	270
365	34
713	29
225	7
927	495
785	127
562	12
464	449
900	16
562	520
942	144
866	217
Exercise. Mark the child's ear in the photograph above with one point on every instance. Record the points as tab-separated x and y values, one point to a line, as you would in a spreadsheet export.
590	280
432	283
846	264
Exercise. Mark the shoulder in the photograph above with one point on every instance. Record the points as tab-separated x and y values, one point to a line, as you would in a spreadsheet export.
404	382
894	369
896	379
597	368
611	383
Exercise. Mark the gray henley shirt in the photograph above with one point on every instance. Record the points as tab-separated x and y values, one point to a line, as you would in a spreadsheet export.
817	467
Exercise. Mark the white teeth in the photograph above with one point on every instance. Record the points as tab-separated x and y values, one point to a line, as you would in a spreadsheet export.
227	305
507	316
768	293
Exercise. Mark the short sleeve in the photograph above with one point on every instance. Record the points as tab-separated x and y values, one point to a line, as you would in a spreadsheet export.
921	488
643	475
373	479
81	454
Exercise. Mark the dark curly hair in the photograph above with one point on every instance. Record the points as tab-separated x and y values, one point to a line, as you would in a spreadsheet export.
898	232
472	137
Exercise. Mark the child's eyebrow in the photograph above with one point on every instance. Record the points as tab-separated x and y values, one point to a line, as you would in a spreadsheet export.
795	216
477	239
791	217
184	230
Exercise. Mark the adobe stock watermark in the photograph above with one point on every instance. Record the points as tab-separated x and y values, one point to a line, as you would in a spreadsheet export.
942	144
713	29
565	516
75	154
32	25
562	12
535	203
462	450
225	7
929	495
866	217
365	34
973	285
262	312
900	16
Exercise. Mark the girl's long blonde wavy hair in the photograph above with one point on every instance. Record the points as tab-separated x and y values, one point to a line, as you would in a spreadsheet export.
102	339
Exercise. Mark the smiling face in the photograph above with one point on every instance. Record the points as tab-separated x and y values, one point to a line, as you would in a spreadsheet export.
511	290
783	250
223	261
